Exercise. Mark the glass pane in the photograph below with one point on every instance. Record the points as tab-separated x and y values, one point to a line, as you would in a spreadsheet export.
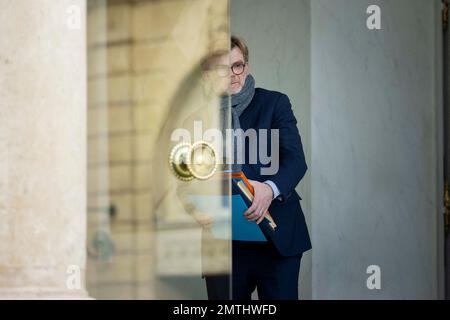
157	221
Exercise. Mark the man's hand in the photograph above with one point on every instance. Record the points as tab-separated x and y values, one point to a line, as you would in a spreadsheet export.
262	199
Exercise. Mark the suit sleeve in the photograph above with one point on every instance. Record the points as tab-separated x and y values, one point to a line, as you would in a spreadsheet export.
292	164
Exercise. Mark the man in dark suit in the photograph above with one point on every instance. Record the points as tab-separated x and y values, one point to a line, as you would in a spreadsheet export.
272	267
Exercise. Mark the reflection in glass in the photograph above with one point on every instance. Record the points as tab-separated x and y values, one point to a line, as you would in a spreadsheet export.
146	81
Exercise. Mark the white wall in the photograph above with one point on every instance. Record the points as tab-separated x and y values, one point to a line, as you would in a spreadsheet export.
376	173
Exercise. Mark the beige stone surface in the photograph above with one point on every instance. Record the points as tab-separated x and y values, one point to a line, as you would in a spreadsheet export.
115	58
118	22
97	18
119	119
120	148
96	148
43	149
144	144
119	89
144	206
121	177
96	184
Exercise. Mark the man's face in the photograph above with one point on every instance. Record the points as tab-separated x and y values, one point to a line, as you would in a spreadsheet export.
237	63
228	72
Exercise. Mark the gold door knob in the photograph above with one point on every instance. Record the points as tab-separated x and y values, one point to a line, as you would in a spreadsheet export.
178	162
197	161
202	160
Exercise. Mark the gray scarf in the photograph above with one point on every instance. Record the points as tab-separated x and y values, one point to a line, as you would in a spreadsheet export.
239	102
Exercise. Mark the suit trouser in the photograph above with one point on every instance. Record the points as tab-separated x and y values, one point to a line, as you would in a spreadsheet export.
257	265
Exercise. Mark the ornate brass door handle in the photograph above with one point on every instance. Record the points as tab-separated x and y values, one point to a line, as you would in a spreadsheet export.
196	161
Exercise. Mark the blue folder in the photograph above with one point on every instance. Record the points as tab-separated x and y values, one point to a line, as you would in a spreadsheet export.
242	229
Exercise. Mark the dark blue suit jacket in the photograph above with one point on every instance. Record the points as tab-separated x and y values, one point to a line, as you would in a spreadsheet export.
273	110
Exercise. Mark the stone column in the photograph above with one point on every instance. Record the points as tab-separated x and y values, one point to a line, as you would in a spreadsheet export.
42	149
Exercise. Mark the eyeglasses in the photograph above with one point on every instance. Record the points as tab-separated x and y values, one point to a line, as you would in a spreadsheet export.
224	70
